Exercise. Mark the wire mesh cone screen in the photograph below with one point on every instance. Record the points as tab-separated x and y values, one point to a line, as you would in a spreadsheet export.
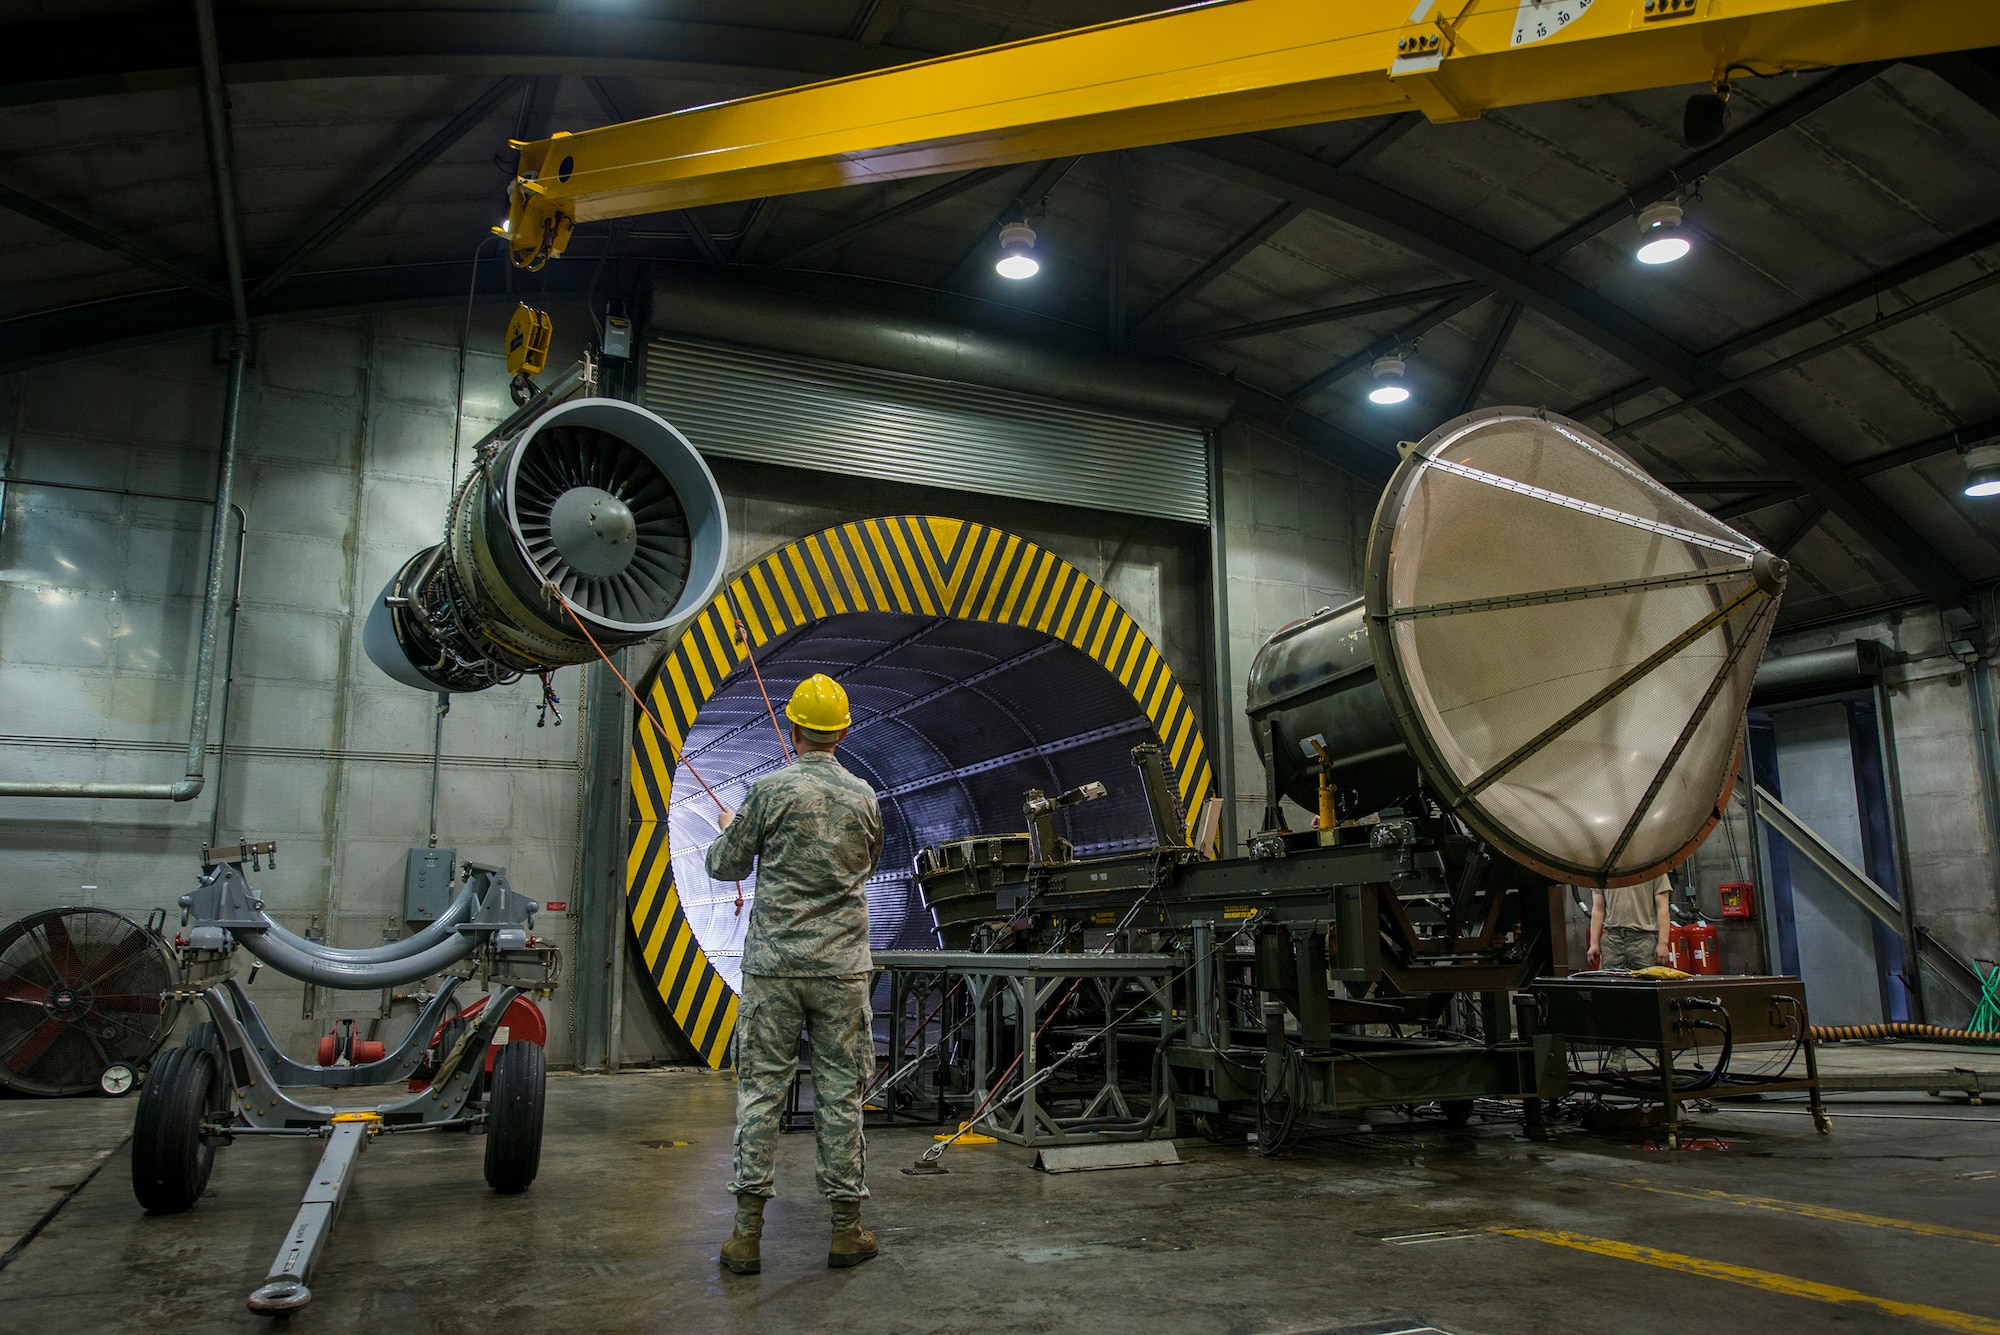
1568	646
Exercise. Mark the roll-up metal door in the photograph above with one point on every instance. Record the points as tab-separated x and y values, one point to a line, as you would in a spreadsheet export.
735	403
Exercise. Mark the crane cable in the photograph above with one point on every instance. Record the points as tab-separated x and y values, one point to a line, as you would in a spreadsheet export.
743	638
645	709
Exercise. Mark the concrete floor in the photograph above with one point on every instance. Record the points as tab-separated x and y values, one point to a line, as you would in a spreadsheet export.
1375	1232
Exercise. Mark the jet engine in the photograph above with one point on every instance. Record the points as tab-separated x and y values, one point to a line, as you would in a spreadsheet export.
589	526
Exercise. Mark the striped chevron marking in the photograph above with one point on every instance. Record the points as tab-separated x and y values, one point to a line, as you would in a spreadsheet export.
907	563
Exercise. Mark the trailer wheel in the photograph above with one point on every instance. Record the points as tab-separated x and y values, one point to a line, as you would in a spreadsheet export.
1457	1112
514	1117
170	1160
208	1038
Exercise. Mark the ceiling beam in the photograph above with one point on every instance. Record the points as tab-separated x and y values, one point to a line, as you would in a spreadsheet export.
1489	356
1725	486
1807	523
138	53
875	20
1917	267
1689	170
1407	334
1632	339
1976	74
762	214
91	234
1394	301
917	203
1880	324
46	337
1270	225
704	242
1959	247
364	200
1267	227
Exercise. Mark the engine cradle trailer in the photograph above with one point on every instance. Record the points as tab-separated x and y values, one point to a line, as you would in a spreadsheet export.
458	1070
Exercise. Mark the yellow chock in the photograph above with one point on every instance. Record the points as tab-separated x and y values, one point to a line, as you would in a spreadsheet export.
967	1137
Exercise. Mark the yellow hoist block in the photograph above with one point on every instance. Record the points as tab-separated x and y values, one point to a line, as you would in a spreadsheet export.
528	337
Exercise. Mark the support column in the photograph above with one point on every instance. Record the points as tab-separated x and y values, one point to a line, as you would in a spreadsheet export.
599	973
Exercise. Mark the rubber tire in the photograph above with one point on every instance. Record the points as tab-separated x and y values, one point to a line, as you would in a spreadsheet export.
514	1117
1457	1112
170	1160
205	1035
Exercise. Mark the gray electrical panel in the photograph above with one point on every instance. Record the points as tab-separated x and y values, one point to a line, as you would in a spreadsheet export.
427	883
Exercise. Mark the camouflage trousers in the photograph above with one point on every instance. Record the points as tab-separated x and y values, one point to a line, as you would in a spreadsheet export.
1628	947
835	1014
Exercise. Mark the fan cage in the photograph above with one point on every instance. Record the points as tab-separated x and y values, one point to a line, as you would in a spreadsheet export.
81	989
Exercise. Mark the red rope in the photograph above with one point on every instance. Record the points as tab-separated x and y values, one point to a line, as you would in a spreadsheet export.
743	638
651	718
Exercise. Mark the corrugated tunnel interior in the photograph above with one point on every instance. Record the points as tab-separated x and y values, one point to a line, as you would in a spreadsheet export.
954	721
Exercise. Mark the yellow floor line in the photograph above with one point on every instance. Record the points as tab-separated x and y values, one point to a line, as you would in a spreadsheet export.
1768	1280
1826	1212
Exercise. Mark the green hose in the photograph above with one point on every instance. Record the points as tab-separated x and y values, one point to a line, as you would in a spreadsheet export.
1987	1017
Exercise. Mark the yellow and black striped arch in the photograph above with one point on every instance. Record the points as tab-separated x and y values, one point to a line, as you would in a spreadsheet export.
906	563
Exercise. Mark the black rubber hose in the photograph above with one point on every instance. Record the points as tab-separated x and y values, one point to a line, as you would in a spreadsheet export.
1927	1033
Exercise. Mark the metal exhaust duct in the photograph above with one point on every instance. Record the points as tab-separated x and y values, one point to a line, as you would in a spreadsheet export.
1551	646
596	511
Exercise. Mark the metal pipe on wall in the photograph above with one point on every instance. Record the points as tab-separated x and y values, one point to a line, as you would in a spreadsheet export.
215	126
1222	685
228	679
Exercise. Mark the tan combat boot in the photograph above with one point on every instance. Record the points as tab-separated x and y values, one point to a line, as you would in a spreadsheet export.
742	1254
851	1244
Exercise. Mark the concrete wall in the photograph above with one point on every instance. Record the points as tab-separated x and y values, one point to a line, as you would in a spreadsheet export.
1293	530
344	467
1944	784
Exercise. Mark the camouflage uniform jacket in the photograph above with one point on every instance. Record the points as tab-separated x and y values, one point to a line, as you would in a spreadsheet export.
815	834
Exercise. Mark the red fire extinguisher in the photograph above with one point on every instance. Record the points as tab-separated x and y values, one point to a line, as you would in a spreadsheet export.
1704	953
1679	952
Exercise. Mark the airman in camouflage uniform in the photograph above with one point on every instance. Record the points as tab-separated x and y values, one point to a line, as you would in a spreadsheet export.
814	833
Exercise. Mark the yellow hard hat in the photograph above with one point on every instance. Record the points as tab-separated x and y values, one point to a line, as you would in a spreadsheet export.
818	705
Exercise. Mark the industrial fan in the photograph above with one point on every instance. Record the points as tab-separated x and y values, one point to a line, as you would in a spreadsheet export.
82	1001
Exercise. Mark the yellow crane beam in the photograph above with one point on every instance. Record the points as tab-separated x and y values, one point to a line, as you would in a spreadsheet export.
1208	69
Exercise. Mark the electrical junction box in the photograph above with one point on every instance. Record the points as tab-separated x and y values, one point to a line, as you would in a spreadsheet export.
427	883
617	336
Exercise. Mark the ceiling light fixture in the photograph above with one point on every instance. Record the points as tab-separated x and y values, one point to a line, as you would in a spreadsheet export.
1017	252
1388	375
1982	470
1662	239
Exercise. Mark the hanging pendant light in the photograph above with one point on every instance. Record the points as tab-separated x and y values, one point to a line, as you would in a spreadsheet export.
1017	252
1662	239
1388	376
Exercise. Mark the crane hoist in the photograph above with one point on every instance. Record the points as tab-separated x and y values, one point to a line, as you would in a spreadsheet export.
1230	67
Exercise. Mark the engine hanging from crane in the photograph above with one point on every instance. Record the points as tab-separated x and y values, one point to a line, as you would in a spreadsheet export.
582	527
